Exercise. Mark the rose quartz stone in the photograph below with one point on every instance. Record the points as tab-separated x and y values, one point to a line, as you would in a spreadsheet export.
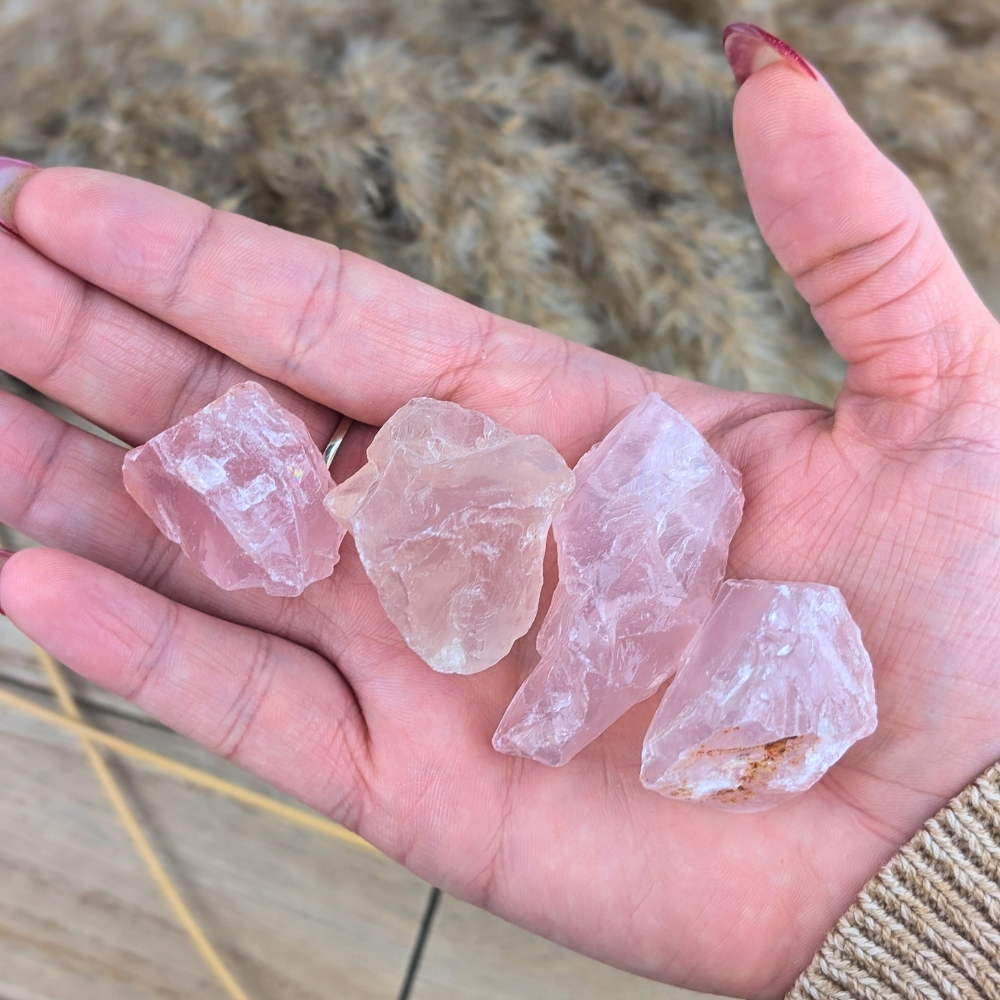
239	486
773	690
450	517
642	546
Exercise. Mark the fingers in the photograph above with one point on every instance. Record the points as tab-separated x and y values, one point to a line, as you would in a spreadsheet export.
63	487
861	244
337	328
108	361
268	705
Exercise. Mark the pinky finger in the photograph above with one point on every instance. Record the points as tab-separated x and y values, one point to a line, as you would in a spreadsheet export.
275	709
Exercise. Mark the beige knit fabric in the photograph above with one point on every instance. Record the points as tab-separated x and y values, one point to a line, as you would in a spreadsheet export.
928	925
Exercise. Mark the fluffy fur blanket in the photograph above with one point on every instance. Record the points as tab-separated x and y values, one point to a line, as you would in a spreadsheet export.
568	163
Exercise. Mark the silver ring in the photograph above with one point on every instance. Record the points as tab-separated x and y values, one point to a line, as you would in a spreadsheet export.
330	451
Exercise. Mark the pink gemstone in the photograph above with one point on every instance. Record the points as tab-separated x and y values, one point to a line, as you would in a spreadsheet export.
239	486
774	689
450	517
642	543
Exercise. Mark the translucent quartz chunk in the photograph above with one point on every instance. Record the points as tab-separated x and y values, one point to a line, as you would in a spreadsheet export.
774	689
450	517
643	543
239	486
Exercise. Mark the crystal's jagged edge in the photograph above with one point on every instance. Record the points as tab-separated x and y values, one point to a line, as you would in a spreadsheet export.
773	690
239	485
643	543
450	517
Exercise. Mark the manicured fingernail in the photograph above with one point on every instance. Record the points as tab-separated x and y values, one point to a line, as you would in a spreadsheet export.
5	554
749	49
13	174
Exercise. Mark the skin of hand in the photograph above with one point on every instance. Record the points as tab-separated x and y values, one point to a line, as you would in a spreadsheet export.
135	306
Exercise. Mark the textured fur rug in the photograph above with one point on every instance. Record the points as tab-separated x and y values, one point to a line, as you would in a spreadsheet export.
568	163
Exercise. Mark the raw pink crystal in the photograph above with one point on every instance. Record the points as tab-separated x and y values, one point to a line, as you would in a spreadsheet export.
450	517
239	486
642	544
773	690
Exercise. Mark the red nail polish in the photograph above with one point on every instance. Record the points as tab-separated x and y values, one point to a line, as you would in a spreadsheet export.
13	174
749	49
5	554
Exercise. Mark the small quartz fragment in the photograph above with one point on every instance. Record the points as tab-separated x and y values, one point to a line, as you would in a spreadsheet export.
642	545
774	689
450	517
239	486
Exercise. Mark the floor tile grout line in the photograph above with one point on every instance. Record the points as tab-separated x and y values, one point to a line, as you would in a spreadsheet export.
420	944
101	708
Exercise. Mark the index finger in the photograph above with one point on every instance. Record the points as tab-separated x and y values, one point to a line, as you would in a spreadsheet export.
338	328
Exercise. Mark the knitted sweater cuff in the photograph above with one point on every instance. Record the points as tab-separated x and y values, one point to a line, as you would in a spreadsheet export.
928	924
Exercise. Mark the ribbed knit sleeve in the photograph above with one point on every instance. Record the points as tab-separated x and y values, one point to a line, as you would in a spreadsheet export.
928	924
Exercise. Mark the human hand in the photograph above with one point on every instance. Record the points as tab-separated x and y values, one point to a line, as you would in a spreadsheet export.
135	306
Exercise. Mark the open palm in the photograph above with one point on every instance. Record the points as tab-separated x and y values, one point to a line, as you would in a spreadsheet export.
135	306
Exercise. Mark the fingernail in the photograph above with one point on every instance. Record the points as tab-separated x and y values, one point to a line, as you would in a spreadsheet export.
5	554
749	49
13	174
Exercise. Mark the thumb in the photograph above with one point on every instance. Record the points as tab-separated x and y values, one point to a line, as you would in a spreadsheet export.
855	234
